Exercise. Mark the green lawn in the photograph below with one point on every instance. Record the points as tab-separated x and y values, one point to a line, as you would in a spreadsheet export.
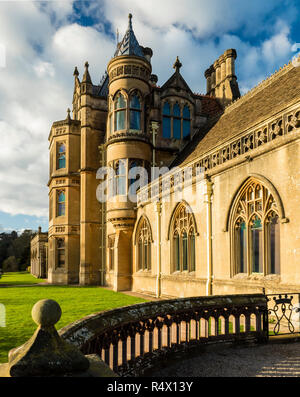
75	302
21	278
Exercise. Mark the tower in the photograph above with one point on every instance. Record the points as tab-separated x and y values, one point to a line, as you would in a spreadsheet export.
221	79
128	146
64	201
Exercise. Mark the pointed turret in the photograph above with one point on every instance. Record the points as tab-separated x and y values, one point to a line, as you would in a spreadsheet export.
129	45
86	76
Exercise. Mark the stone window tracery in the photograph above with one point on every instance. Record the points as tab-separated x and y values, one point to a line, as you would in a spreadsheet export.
143	240
256	231
183	240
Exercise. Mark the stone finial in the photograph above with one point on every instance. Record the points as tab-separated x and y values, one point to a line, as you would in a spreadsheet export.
46	313
130	21
68	114
177	65
45	353
76	73
86	76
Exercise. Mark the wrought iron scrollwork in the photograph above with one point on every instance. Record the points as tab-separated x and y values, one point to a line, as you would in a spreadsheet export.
282	310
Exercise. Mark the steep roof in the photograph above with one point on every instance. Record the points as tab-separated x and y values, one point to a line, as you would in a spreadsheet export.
129	45
265	100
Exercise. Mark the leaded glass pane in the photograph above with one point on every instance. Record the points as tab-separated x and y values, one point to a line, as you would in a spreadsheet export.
140	255
120	102
135	120
62	149
274	246
184	252
192	253
186	112
176	110
167	109
62	162
176	252
177	128
241	247
135	102
166	127
120	120
186	128
257	246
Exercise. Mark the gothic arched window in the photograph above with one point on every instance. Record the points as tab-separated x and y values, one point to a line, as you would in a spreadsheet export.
120	112
255	231
135	113
183	240
61	157
143	239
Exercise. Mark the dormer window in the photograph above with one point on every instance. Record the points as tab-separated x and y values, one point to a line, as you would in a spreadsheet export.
176	123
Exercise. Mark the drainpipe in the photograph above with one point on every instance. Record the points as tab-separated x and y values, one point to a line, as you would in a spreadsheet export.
158	277
154	129
102	270
208	201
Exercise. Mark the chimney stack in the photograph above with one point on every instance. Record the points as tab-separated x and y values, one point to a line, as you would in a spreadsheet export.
221	80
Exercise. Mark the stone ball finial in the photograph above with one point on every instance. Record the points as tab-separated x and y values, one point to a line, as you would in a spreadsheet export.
46	312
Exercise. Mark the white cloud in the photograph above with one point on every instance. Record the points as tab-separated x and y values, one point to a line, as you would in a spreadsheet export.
43	43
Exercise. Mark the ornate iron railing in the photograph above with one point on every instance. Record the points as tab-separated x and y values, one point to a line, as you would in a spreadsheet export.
133	339
284	313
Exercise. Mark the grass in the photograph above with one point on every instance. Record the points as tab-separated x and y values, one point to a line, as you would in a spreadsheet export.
75	302
20	278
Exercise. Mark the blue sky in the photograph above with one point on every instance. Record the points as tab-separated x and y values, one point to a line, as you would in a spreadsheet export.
44	41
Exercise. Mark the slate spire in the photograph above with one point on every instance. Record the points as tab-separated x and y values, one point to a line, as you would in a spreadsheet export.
129	45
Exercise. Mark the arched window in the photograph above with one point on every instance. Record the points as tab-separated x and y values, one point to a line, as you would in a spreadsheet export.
120	112
166	120
135	113
61	158
61	204
143	245
183	239
176	124
255	231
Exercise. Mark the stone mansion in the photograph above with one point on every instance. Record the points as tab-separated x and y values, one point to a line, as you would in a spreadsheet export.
224	219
